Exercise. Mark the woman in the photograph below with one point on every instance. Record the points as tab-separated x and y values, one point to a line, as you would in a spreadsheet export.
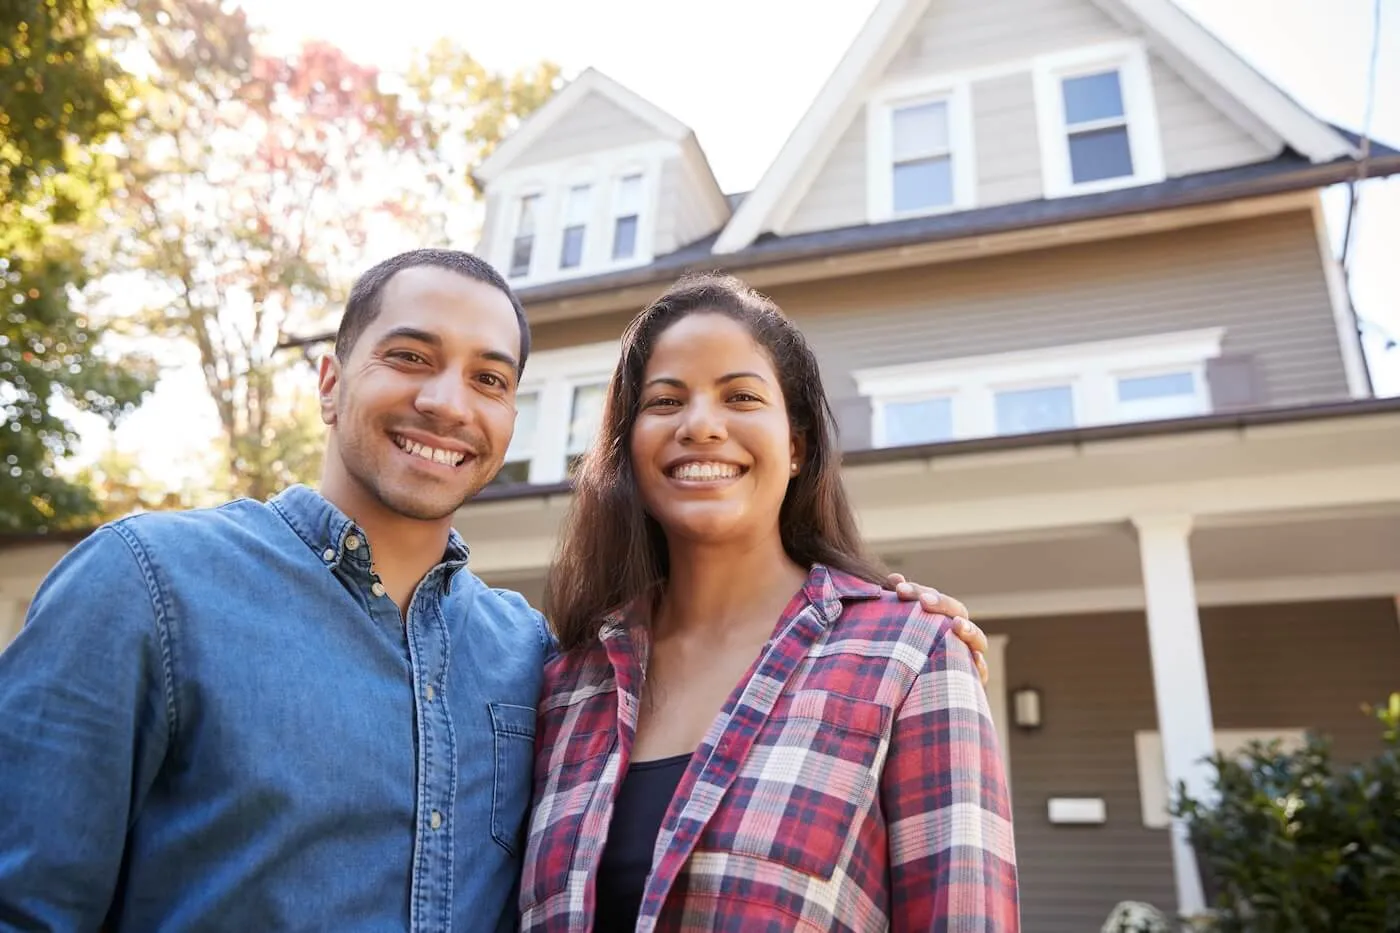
700	767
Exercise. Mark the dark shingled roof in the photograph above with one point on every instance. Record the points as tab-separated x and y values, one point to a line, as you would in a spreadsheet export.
1287	172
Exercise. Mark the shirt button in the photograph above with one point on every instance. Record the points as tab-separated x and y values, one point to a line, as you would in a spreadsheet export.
353	543
436	820
430	693
328	554
377	588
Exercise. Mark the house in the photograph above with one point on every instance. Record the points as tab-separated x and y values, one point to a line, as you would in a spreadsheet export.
1096	371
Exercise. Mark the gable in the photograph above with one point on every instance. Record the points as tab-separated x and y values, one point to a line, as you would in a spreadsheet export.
1195	107
592	124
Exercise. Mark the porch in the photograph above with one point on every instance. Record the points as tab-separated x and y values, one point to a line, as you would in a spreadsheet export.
1162	587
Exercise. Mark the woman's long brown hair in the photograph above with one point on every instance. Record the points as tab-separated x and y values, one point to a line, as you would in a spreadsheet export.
611	552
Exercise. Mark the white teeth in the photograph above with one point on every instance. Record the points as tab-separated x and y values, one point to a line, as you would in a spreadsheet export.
446	457
705	471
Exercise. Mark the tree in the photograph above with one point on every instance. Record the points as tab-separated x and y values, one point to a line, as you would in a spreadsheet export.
251	188
61	98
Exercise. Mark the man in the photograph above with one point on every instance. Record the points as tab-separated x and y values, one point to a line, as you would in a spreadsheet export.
306	713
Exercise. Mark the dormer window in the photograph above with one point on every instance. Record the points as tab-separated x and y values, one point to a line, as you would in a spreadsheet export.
627	207
1097	120
523	247
920	144
1096	124
576	209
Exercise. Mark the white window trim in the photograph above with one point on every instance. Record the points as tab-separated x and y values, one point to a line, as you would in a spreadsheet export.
554	375
1091	368
552	181
1153	790
880	144
1139	105
513	229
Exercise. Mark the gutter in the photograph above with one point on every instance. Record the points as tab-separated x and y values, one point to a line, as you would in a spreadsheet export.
1078	437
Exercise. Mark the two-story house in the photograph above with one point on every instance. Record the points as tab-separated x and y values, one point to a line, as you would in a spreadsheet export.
1065	267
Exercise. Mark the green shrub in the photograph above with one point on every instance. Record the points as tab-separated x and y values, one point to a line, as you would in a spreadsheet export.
1298	844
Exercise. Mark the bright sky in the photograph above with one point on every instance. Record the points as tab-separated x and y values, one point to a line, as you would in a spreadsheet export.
742	72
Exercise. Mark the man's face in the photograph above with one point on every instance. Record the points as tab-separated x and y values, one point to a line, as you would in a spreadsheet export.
422	410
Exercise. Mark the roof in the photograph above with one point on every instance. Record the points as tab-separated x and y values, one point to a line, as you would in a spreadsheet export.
1253	418
590	81
1285	173
1288	172
1166	26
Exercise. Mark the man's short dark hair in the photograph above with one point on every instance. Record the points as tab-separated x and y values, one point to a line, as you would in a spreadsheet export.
367	295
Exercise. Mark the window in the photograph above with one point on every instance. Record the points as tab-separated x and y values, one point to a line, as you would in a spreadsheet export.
1022	411
1153	789
1097	119
917	421
1096	124
575	225
566	390
585	417
920	147
627	208
523	247
1105	382
516	468
1163	395
922	172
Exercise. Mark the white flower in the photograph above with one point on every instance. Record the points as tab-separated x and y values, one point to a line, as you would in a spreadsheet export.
1135	917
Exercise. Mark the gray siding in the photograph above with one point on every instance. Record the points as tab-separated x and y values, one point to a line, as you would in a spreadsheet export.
837	196
1095	676
698	214
1007	140
668	199
1197	136
593	125
956	35
1261	279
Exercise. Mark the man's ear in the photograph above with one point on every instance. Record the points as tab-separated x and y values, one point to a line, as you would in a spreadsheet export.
328	385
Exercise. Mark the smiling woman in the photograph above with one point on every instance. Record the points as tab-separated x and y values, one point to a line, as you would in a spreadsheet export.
745	730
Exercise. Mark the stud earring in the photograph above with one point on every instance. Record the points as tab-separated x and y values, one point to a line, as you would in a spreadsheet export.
794	469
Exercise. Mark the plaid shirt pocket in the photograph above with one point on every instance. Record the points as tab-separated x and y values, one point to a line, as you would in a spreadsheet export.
797	797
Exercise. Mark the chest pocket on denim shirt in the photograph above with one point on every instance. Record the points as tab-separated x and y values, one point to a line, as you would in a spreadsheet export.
513	732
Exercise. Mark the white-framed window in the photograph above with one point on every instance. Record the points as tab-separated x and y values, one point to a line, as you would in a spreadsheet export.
1104	382
627	211
559	407
1097	119
919	137
522	248
580	216
577	206
521	452
1153	790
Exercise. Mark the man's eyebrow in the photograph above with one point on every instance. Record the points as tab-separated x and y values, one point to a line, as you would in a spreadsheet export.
499	356
403	332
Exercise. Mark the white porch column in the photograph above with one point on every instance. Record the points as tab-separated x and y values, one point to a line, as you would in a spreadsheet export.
1178	678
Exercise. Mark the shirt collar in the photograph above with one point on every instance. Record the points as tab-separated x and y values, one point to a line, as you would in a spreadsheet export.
332	535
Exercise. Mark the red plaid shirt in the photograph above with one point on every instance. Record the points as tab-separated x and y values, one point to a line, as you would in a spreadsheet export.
852	783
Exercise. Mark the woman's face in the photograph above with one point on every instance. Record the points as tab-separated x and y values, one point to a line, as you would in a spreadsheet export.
711	447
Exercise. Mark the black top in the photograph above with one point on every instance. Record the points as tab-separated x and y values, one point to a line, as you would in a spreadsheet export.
642	800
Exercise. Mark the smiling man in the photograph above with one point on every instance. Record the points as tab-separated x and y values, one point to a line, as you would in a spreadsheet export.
304	714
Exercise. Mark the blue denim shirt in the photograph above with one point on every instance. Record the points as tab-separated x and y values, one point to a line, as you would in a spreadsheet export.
212	720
